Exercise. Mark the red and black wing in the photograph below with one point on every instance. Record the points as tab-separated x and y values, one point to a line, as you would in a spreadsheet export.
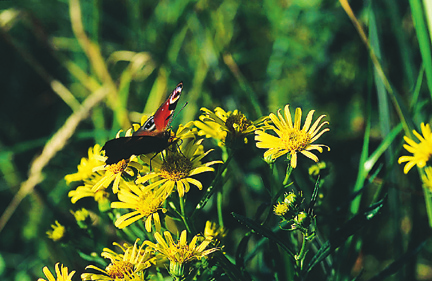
152	136
159	122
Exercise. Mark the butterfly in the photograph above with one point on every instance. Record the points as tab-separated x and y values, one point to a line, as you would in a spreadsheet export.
152	136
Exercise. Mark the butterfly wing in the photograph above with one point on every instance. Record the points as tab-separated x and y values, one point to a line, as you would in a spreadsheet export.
152	136
159	122
124	147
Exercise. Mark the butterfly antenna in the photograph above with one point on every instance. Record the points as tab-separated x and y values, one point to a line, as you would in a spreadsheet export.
152	159
177	113
177	144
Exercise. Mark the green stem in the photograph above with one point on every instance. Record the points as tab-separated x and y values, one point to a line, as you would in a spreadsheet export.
288	172
427	196
183	215
219	195
302	254
428	200
219	207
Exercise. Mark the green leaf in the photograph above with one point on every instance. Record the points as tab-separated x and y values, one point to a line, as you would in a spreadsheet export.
2	265
342	234
92	257
230	269
314	197
263	231
241	250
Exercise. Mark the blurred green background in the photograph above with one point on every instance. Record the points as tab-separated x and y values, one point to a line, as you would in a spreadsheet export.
254	56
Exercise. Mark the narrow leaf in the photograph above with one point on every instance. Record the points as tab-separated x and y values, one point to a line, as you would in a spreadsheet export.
263	231
229	268
348	229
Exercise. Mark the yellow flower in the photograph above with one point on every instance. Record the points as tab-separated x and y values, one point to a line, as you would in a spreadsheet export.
114	173
427	178
213	231
291	199
81	215
176	168
85	218
127	266
186	131
144	201
85	168
317	169
291	203
290	138
100	195
421	151
62	274
86	191
281	209
180	252
57	233
226	127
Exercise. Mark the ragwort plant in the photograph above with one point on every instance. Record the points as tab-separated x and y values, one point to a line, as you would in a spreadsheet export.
145	197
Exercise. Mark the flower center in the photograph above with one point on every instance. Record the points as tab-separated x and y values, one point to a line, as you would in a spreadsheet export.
423	153
180	254
149	204
117	167
281	209
176	167
296	140
237	123
119	269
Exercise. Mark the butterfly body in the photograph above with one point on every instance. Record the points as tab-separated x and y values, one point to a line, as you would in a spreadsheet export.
152	136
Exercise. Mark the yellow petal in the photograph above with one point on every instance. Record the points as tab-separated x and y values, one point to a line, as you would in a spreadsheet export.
48	274
148	223
288	116
297	118
195	182
183	240
308	121
309	155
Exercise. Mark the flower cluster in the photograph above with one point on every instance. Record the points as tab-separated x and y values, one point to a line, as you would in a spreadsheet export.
294	215
141	191
134	261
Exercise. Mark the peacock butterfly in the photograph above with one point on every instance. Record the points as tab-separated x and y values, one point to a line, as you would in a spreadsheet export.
152	136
